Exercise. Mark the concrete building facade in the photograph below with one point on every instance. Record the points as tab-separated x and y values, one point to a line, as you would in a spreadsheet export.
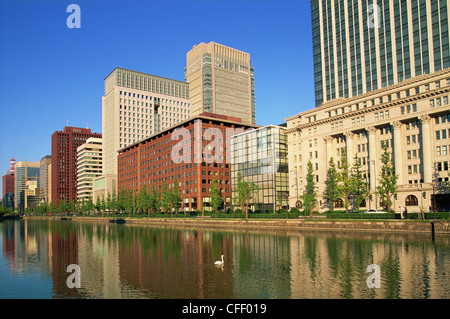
45	178
89	167
411	118
221	80
137	105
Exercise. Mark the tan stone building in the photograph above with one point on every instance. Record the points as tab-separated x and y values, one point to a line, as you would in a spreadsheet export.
221	81
89	166
137	105
45	176
411	118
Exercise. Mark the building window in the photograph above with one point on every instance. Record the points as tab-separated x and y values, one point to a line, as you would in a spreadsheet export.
411	200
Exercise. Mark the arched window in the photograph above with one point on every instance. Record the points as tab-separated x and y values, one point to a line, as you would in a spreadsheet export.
339	203
411	200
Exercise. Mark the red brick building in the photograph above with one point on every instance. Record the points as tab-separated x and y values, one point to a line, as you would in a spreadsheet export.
192	152
64	161
8	184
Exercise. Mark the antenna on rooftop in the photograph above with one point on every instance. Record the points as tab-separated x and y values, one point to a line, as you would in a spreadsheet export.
67	122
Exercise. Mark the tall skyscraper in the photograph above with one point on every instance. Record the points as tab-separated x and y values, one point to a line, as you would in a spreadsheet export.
64	161
89	166
8	185
26	178
45	178
360	45
137	105
221	81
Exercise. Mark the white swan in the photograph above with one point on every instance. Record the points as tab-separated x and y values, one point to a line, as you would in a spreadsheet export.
219	263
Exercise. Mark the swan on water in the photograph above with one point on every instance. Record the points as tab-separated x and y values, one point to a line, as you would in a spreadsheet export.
219	263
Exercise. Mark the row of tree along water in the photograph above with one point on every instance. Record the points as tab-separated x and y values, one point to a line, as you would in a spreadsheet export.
343	183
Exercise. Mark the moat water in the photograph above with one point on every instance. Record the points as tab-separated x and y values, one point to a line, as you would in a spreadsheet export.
134	261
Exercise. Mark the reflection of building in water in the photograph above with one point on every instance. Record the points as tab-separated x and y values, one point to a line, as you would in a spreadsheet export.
167	263
64	253
98	259
335	267
261	256
133	262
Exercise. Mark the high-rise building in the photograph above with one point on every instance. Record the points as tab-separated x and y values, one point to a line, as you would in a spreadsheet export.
221	81
8	190
7	183
361	46
45	178
137	105
64	161
89	166
26	177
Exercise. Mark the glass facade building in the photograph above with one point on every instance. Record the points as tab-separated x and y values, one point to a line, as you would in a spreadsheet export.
25	172
360	45
260	155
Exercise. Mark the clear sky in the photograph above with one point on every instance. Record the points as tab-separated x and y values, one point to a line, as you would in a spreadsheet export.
51	74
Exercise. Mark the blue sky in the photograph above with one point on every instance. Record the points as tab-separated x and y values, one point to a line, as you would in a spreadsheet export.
50	74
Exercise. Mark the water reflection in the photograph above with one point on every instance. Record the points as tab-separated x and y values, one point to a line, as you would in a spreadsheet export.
126	261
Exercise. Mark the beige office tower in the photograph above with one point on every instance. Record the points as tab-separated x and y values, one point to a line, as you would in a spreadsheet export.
89	166
45	177
221	80
136	105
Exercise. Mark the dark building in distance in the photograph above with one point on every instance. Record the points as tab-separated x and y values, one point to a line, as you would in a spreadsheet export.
64	161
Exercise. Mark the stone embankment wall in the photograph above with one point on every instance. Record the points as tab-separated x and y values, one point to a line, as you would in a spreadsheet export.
438	226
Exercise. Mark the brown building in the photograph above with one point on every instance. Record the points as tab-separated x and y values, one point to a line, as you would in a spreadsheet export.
8	184
64	161
192	152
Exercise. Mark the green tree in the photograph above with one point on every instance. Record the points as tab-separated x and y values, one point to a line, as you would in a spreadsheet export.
245	192
309	195
89	206
98	204
216	196
102	205
63	207
3	210
164	200
108	203
52	208
345	181
359	184
387	183
143	199
332	190
121	199
153	200
128	202
175	197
